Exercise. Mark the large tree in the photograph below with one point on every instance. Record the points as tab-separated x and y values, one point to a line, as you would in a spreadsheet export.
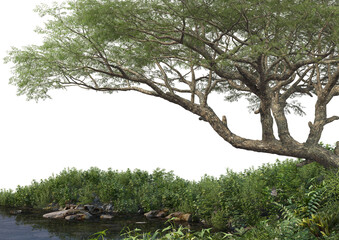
269	52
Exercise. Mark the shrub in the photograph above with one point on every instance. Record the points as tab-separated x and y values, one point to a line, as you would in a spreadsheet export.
238	202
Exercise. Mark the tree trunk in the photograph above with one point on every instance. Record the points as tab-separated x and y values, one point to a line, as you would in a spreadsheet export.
291	148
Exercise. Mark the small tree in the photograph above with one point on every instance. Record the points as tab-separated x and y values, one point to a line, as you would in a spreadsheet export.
270	52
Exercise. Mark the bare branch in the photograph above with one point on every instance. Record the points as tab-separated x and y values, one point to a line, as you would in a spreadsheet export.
331	119
165	77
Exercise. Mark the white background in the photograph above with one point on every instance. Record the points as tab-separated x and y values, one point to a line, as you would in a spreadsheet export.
81	129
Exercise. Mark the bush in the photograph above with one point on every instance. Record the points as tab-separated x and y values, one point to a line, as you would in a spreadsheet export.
250	200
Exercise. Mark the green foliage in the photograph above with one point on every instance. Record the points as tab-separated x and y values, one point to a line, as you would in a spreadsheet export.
171	232
7	197
268	230
319	221
278	200
321	225
81	35
99	235
331	181
314	202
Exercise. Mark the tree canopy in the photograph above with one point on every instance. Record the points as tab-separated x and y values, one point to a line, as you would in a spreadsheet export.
270	52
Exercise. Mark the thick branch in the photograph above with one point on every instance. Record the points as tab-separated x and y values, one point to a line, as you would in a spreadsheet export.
266	120
278	106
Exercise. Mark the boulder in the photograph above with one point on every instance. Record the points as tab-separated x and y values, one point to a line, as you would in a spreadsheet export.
81	212
70	214
179	216
79	216
88	207
61	214
93	209
161	214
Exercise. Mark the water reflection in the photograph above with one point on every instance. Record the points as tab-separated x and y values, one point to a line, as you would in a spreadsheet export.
30	225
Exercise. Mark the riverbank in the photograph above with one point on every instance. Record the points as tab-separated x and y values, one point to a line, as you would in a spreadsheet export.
29	224
235	202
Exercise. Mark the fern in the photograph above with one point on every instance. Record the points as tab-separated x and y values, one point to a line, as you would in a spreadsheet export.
288	214
314	203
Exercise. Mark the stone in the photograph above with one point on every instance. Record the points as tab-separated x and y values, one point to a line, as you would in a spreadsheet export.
88	207
156	214
15	212
161	214
71	217
186	217
61	214
108	208
151	214
84	215
80	207
179	216
106	216
93	209
79	216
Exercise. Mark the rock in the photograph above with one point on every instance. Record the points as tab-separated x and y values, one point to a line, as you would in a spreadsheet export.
106	216
15	212
88	207
92	209
85	215
179	216
80	207
70	214
71	217
156	214
151	214
161	214
70	206
108	208
141	210
79	216
186	217
61	214
80	212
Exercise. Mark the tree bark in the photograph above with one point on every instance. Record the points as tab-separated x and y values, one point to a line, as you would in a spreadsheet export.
310	152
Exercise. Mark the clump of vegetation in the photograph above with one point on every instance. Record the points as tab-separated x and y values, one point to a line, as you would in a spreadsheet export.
277	200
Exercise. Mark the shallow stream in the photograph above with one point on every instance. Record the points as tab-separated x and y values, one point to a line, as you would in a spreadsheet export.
30	225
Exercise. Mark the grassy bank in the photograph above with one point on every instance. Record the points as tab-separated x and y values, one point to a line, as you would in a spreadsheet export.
280	199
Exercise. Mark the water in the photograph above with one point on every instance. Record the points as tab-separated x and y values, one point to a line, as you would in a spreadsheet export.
30	225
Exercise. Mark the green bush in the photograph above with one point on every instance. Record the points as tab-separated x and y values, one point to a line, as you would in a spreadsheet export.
247	204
